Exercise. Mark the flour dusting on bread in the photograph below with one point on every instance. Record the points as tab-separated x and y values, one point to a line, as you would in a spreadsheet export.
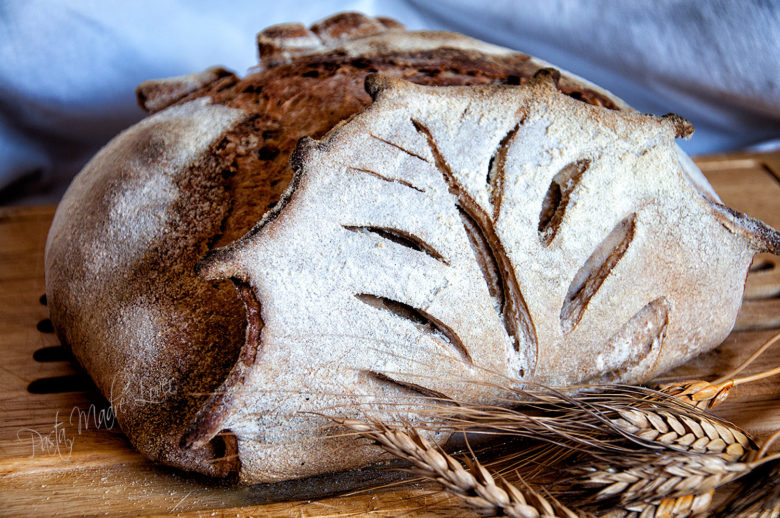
521	219
408	259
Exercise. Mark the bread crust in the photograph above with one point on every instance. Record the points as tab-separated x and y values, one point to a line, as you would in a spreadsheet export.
197	174
409	260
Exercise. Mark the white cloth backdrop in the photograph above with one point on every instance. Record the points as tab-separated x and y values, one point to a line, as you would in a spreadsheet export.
68	69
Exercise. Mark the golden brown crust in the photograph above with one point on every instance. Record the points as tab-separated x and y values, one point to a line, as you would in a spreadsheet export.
121	284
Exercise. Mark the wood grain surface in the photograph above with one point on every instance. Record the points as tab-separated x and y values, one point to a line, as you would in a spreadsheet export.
62	454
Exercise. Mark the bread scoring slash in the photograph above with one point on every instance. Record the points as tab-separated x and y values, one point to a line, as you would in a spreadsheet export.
503	222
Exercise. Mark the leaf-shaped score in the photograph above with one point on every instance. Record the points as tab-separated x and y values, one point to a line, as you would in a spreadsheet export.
450	238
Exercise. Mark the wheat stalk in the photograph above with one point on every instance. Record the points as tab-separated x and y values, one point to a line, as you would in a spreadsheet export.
473	483
612	418
639	426
701	394
653	478
709	394
645	484
640	452
687	432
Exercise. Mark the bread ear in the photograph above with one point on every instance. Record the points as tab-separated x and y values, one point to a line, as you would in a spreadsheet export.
157	94
760	236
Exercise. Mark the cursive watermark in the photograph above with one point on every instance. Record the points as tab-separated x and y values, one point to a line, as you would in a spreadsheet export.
104	418
55	442
59	440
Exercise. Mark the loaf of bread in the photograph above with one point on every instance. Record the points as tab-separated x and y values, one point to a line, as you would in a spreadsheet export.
518	226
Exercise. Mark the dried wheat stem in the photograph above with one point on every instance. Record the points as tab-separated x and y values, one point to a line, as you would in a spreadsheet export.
768	444
475	485
594	421
708	394
758	376
705	394
766	345
644	452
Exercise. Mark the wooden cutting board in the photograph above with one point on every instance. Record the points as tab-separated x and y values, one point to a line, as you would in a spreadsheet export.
61	453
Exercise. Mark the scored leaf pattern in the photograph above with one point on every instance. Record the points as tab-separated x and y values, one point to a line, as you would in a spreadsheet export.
489	251
449	238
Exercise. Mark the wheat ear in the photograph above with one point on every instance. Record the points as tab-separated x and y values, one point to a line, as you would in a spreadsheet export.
681	507
473	483
668	455
605	418
706	394
701	394
652	478
692	432
709	394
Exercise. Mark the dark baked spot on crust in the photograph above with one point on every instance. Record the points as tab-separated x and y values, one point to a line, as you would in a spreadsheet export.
586	95
267	152
346	26
406	387
557	199
286	31
361	63
424	322
400	237
496	173
252	89
254	323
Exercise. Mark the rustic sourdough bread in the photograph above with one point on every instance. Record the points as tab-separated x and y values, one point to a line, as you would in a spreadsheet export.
165	344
